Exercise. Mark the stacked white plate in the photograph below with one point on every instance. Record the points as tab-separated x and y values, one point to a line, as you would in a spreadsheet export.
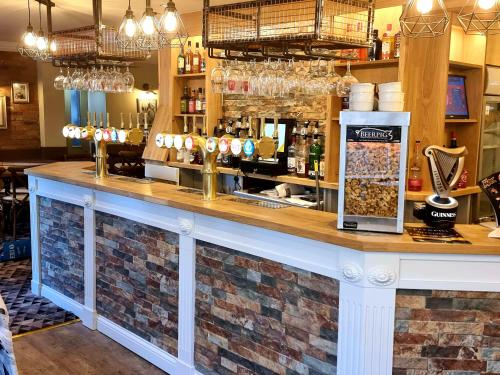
390	97
362	97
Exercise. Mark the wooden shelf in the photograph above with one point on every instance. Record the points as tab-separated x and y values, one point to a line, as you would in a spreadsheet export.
371	64
421	195
457	65
193	75
189	115
460	121
336	119
236	172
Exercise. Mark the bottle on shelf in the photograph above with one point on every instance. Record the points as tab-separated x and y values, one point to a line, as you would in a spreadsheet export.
192	102
322	165
199	101
203	66
462	182
196	68
453	140
219	130
181	61
415	178
375	50
301	157
185	101
397	45
315	152
189	60
388	43
291	161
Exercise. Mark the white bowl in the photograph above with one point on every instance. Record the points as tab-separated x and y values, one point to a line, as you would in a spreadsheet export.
390	86
361	96
361	106
363	87
390	106
391	96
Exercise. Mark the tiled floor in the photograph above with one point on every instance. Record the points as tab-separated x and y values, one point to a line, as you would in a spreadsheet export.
27	311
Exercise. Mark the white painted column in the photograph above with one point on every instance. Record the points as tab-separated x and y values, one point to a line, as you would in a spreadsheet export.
89	318
366	330
36	258
187	292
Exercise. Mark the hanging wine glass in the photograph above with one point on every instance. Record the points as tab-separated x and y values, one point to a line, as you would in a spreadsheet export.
58	81
77	80
344	84
233	79
67	82
128	81
333	79
217	78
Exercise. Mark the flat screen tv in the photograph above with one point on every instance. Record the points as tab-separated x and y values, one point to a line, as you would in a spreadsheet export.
456	98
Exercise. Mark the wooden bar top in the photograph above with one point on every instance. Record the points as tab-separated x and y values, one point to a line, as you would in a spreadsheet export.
319	226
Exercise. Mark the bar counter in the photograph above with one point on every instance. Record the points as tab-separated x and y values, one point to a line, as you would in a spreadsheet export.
225	287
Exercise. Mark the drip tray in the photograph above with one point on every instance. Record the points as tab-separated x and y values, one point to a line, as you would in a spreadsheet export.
266	204
195	191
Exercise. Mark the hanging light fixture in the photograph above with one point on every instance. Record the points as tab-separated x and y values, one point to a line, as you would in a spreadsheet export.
480	17
172	30
424	18
42	43
148	38
27	46
128	31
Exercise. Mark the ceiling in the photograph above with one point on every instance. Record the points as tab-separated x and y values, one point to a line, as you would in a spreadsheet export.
69	14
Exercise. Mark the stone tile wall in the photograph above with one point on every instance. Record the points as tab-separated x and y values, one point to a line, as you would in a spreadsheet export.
447	333
138	279
256	316
61	247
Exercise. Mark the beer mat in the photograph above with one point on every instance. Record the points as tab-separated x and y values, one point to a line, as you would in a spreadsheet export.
427	234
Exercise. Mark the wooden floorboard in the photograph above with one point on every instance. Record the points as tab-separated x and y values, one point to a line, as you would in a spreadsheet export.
76	350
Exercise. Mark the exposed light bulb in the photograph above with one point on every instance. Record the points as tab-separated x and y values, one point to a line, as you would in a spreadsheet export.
170	22
130	27
486	4
148	25
41	43
29	39
424	6
53	46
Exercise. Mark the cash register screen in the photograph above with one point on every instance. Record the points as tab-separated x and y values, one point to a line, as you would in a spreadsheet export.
269	130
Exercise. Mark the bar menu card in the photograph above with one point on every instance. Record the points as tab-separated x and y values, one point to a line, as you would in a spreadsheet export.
491	186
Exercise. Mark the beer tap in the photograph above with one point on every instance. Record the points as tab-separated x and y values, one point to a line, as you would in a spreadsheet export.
249	144
122	133
179	140
113	132
106	133
98	135
87	133
135	135
101	154
275	138
146	127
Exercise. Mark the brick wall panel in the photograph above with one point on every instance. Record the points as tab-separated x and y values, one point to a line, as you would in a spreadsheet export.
256	316
61	246
138	278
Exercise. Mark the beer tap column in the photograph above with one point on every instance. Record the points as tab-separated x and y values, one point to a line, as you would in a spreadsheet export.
101	153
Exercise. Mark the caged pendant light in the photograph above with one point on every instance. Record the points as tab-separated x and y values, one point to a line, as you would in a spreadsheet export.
128	32
149	27
480	17
27	46
42	43
172	30
424	19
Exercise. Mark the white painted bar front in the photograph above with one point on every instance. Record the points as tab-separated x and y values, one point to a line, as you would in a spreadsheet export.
368	280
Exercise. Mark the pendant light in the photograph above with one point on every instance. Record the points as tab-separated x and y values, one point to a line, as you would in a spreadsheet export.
480	17
148	38
128	32
42	43
172	30
28	41
424	19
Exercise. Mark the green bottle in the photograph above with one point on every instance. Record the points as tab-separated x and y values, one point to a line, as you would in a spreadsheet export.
315	152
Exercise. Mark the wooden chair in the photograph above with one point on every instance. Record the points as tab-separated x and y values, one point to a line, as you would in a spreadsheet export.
15	201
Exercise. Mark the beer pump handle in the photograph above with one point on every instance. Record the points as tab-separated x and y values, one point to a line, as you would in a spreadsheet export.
275	138
95	119
262	127
185	124
122	124
101	120
146	125
89	119
130	120
107	120
138	119
204	129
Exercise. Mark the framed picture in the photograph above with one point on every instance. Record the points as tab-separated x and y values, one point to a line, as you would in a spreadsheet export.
3	112
148	106
20	92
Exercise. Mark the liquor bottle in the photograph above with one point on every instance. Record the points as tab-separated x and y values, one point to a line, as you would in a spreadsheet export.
322	165
301	157
189	60
203	103
291	161
462	182
185	101
219	130
197	59
181	61
376	48
192	102
415	179
388	43
227	159
397	45
453	140
314	157
203	66
199	101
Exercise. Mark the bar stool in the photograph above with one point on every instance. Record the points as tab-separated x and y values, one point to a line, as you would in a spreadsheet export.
15	201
